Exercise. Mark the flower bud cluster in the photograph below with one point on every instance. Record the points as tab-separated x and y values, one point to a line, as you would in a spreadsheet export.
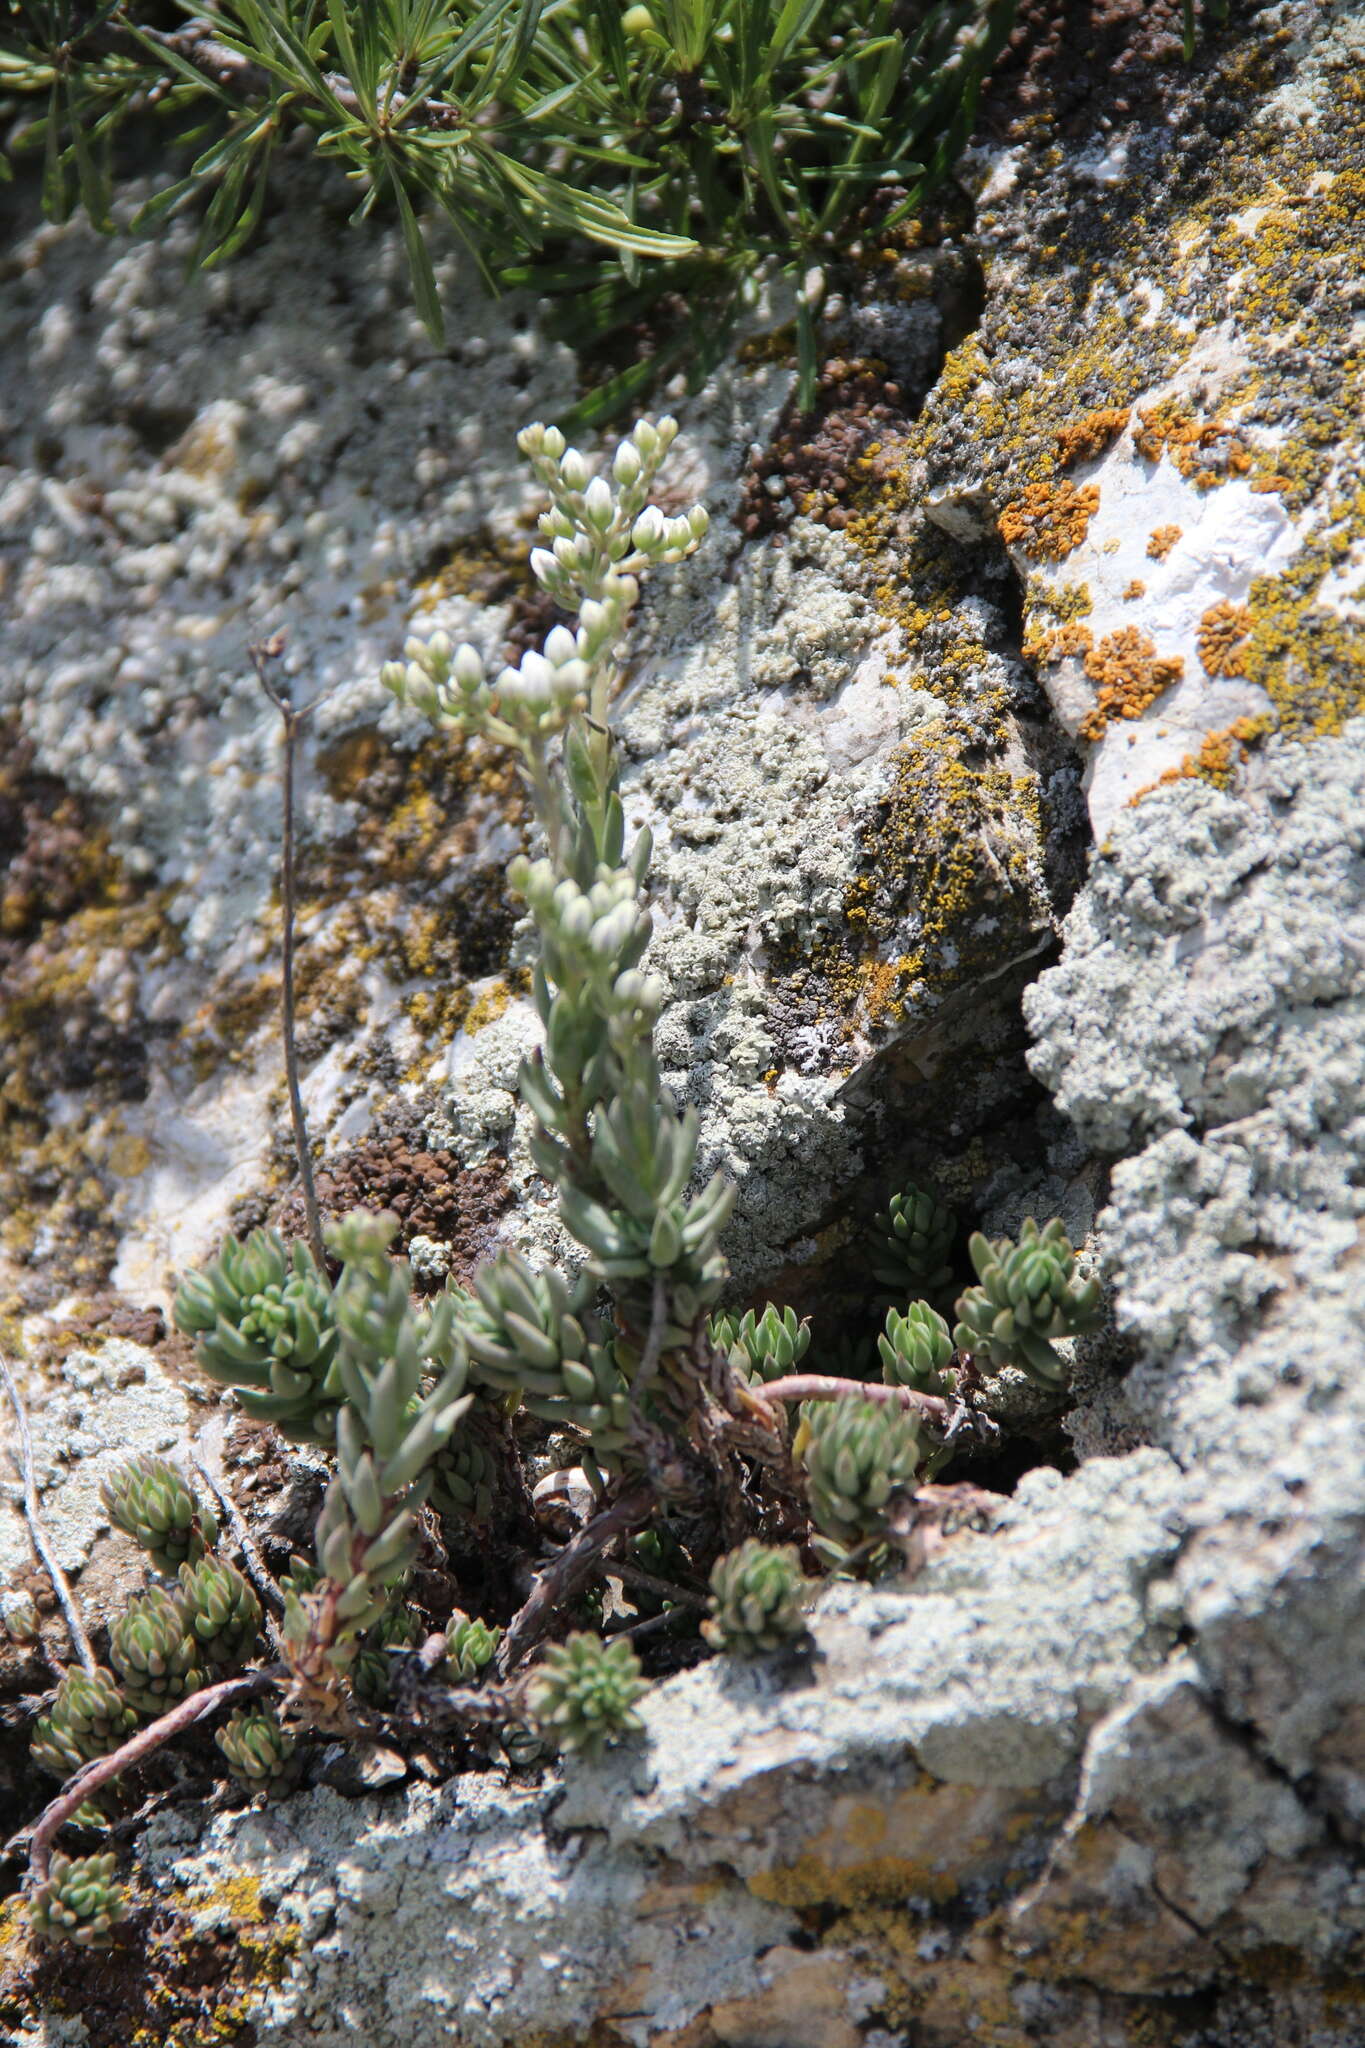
444	682
601	533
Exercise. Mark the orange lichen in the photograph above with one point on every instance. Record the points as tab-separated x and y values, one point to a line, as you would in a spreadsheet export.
1161	540
1050	519
1137	588
1131	676
1217	757
1083	439
1224	631
1206	452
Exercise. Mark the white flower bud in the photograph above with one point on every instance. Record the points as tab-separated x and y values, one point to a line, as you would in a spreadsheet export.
597	503
467	667
566	554
645	437
626	463
560	646
573	470
438	649
648	530
576	921
531	440
699	519
394	677
668	431
594	618
545	568
519	869
552	441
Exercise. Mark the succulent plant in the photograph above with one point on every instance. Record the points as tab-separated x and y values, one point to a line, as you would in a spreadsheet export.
1028	1294
916	1350
90	1717
530	1333
262	1315
583	1694
857	1455
153	1502
80	1900
153	1649
757	1599
912	1245
398	1628
470	1647
258	1749
221	1610
465	1474
768	1345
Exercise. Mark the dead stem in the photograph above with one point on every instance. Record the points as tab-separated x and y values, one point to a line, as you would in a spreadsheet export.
38	1535
265	651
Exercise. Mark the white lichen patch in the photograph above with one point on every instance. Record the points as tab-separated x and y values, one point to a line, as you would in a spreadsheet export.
1159	553
103	1406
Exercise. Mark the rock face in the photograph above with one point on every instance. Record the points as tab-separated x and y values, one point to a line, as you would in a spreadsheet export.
1096	1776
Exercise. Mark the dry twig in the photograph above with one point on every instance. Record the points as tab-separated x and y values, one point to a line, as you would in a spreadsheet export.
47	1556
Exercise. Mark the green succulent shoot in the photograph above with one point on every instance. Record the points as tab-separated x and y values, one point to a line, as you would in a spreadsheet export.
90	1717
764	1347
470	1647
80	1900
583	1695
857	1455
1028	1295
262	1317
152	1501
221	1610
758	1595
912	1245
917	1351
258	1749
153	1648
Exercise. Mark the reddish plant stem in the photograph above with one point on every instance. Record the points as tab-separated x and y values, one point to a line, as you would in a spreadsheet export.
814	1386
92	1775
